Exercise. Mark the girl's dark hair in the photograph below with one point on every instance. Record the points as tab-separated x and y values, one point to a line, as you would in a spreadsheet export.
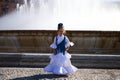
60	25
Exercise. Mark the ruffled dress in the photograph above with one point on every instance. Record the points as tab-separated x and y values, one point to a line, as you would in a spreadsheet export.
60	63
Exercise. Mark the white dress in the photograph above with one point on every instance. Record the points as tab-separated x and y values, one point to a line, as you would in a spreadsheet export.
60	64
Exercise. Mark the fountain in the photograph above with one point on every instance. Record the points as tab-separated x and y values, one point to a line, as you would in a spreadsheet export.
31	27
75	14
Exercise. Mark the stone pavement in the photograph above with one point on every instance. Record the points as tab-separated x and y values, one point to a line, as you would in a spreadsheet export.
39	74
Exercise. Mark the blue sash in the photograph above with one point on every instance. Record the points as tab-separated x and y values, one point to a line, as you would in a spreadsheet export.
60	47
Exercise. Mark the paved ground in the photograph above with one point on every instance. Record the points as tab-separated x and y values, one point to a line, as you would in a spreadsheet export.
39	74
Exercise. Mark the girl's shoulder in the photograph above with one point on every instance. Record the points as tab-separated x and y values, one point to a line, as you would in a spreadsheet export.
66	36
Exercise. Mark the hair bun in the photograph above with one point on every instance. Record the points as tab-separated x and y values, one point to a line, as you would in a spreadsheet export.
60	25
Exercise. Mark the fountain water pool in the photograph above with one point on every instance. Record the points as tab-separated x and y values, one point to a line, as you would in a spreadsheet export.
75	14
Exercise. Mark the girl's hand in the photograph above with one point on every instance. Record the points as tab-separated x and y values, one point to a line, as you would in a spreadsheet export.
54	51
67	49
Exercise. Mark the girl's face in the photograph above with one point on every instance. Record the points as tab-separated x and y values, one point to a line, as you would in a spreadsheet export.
61	31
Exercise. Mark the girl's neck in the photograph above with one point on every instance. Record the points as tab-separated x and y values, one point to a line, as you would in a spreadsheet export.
60	35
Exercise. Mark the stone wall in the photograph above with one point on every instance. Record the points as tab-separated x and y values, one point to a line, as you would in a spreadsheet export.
7	7
38	41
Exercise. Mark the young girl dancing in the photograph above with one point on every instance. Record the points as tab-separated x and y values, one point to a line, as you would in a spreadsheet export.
60	59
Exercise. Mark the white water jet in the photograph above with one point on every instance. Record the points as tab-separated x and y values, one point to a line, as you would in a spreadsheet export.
75	14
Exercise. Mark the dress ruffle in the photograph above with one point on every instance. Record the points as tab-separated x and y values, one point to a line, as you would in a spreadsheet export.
60	64
53	45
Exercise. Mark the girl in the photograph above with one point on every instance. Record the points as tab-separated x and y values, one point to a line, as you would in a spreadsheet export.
60	61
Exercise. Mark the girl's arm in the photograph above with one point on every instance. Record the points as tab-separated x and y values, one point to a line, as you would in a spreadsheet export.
68	44
54	51
67	48
53	46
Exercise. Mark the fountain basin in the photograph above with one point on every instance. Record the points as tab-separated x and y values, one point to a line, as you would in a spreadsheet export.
38	41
